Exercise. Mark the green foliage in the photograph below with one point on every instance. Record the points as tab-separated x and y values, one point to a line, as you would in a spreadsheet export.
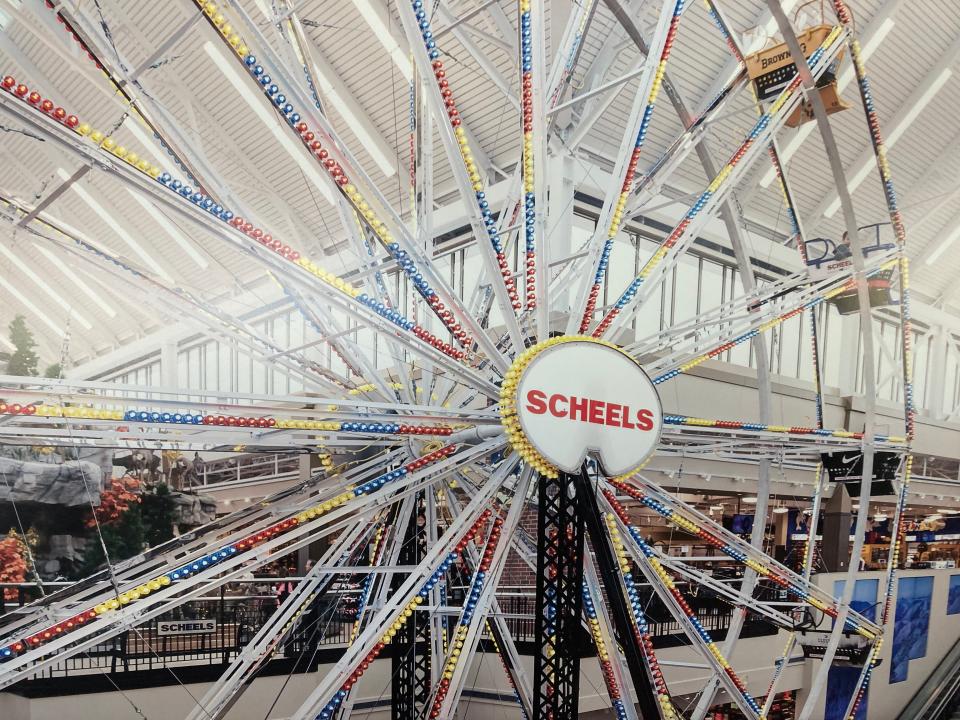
157	509
23	360
147	523
53	371
124	539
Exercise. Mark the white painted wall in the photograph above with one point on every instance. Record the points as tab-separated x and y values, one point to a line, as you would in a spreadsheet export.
886	701
753	658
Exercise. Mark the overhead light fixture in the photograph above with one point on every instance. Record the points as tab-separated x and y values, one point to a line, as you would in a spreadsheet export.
750	500
780	510
949	240
846	77
264	7
948	511
149	145
31	307
112	223
28	272
170	229
716	507
893	135
382	32
256	102
855	506
359	125
880	517
63	267
931	92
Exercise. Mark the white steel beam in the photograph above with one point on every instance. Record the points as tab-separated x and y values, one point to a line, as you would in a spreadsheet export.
923	93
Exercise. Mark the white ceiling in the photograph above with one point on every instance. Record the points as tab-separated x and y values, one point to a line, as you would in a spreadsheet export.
918	48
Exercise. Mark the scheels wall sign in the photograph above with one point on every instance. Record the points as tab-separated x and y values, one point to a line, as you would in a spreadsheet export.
577	396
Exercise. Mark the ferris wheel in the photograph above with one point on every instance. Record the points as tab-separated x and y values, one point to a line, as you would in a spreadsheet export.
537	392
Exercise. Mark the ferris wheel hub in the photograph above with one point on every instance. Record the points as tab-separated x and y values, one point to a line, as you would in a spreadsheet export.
572	396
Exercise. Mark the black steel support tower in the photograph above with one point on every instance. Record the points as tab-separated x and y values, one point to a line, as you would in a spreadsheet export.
626	631
556	669
410	687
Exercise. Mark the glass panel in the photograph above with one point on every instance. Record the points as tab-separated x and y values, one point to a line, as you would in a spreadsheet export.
921	356
711	285
742	354
833	340
805	349
225	375
790	347
686	287
211	364
620	271
244	382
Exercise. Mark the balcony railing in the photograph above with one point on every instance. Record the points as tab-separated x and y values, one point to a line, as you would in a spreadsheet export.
240	609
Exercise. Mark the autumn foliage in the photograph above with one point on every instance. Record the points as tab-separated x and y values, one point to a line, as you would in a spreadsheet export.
13	562
115	501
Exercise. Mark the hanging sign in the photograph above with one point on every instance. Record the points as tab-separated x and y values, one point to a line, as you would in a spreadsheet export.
578	397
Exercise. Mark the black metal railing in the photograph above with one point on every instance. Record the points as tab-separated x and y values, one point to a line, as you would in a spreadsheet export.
326	625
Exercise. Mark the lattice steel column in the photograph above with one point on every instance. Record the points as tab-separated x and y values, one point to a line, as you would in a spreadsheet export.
556	670
411	646
627	633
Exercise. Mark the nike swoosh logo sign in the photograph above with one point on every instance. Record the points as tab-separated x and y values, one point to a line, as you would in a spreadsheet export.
846	460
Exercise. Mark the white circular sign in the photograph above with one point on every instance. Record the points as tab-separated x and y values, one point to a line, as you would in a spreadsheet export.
582	397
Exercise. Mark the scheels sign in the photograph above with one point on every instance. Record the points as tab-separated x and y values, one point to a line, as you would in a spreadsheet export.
185	627
580	397
591	410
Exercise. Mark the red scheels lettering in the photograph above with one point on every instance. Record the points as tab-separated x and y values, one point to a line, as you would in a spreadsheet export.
589	410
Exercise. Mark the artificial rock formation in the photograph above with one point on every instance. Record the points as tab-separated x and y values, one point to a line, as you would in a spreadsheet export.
72	483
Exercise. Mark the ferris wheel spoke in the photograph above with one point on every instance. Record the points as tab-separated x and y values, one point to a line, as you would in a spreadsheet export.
96	395
90	612
561	67
663	585
497	627
178	302
326	326
110	612
488	567
384	624
695	133
358	189
350	221
736	310
631	144
693	522
733	595
467	175
52	417
761	317
786	438
612	663
284	261
235	680
338	180
716	192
